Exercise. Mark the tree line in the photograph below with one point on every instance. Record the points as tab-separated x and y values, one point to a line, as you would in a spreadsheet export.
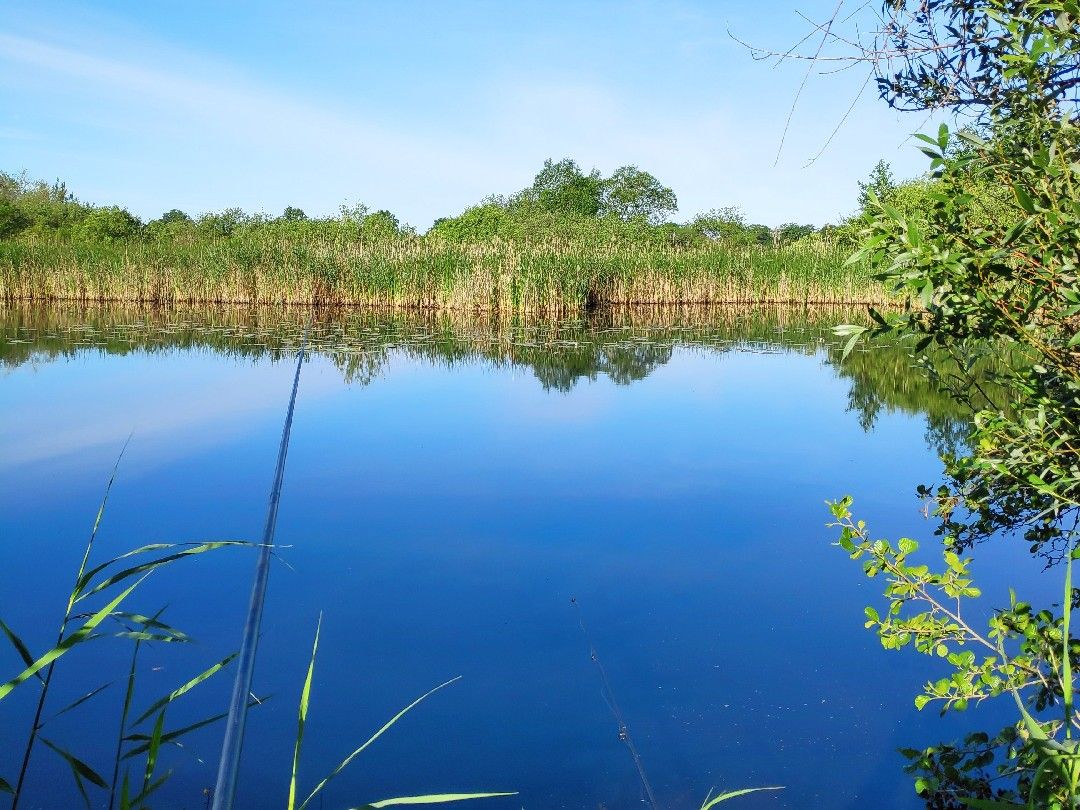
562	202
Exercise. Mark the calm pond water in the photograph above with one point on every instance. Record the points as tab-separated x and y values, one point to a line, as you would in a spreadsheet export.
451	485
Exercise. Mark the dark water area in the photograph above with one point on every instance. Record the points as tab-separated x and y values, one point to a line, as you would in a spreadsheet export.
452	484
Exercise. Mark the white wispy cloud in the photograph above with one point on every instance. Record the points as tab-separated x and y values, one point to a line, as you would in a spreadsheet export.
175	127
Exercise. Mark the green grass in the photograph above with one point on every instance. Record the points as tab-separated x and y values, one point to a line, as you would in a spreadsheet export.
329	267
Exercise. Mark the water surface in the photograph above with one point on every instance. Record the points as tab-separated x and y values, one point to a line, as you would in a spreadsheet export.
451	486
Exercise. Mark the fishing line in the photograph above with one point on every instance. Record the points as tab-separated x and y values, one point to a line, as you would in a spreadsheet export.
609	698
229	766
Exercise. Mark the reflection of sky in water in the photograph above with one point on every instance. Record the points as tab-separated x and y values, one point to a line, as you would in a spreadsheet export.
67	408
442	518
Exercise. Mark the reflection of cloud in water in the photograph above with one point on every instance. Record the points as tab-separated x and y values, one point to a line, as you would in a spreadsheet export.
202	398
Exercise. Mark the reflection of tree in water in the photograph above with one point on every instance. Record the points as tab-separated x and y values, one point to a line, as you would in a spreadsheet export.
886	379
624	347
560	370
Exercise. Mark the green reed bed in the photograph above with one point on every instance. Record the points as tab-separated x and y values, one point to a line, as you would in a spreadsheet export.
408	272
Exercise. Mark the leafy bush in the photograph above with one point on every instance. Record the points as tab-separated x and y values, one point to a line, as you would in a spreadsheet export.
108	224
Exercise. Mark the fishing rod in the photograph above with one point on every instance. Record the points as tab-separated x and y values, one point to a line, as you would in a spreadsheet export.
229	765
609	698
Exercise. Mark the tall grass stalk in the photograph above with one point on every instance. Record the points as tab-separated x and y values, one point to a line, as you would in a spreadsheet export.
43	695
99	580
302	714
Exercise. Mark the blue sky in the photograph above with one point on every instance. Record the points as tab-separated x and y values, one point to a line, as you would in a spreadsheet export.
424	108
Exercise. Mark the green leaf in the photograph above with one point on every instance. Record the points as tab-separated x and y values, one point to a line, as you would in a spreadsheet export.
1016	230
81	700
17	643
152	751
199	548
5	786
169	737
723	797
153	623
305	700
138	801
970	138
79	636
142	635
907	545
1024	199
79	770
844	329
97	525
386	727
187	687
849	345
434	798
84	770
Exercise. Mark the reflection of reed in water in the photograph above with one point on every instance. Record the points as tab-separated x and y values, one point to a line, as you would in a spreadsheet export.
623	344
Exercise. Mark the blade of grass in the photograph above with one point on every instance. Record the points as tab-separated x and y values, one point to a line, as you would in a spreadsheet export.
68	643
171	736
125	793
386	727
97	520
47	681
78	702
152	622
79	770
127	573
129	693
142	635
1066	653
152	751
305	699
187	687
731	794
86	576
17	643
435	798
142	797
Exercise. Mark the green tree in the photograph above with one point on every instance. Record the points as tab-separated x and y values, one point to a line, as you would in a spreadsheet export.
562	188
791	232
382	224
174	215
879	185
985	282
12	218
293	214
222	224
726	224
633	194
109	224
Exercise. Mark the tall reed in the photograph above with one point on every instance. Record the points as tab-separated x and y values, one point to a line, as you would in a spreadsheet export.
104	581
550	276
